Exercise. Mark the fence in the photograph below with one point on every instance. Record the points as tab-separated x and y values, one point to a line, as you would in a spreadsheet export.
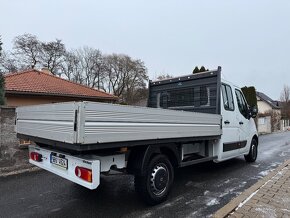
285	125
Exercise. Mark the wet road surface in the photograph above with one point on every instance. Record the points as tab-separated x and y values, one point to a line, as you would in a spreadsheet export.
198	190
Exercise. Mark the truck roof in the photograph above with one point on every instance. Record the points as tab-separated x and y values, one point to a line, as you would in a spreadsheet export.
186	77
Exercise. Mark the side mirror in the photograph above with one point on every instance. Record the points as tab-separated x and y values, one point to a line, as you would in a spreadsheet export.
254	112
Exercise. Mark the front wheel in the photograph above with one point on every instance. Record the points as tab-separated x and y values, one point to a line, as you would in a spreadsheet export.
155	185
253	153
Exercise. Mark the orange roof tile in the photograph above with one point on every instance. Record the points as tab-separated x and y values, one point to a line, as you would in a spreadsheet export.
38	82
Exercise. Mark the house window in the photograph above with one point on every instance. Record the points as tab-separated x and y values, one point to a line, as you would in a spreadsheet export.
262	121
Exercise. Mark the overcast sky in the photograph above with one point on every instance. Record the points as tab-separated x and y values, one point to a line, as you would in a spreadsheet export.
249	39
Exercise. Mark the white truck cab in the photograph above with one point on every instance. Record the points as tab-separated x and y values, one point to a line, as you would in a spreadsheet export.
239	128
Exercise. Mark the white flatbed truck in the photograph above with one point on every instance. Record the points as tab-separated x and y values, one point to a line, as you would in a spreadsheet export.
189	119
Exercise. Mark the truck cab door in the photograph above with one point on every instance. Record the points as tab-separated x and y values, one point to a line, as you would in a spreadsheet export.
230	138
243	118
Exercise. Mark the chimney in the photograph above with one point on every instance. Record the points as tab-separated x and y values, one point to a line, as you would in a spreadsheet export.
46	70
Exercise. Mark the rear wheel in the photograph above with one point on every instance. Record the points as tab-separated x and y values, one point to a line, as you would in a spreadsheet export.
155	185
253	153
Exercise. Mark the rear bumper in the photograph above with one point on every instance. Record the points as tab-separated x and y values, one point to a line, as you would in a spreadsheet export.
72	163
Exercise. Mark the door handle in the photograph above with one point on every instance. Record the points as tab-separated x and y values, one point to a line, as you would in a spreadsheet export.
227	122
241	123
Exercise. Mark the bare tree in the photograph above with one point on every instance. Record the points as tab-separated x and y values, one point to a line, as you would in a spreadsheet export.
135	89
0	46
30	52
52	55
27	49
2	81
285	94
117	74
71	67
124	76
2	89
91	61
164	76
85	65
8	63
117	69
285	99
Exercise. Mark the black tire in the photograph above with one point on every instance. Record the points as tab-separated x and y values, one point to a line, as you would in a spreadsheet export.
156	183
253	153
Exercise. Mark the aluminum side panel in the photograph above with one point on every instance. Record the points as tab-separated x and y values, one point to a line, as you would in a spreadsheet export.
51	121
113	132
109	123
115	123
119	113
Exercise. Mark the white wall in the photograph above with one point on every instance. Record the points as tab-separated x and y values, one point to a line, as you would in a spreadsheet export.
263	107
264	124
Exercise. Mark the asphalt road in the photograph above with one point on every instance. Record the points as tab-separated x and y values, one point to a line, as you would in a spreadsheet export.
198	190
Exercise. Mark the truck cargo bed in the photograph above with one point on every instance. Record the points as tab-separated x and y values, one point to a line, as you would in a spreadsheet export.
90	123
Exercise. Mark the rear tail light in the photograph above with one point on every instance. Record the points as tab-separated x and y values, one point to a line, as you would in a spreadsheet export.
36	156
84	173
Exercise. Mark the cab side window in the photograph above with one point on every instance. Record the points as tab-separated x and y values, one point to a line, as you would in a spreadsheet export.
242	105
228	97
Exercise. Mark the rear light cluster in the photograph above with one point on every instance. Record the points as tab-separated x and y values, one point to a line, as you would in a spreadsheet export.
84	173
36	156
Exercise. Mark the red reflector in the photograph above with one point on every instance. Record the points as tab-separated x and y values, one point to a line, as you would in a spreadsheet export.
84	173
36	156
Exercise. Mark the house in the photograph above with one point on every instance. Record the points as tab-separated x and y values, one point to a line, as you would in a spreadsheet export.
269	115
40	86
33	87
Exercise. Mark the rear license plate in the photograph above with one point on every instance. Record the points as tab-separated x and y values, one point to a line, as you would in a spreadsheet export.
61	162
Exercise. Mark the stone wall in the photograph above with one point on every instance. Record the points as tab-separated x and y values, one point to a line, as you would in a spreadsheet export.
10	152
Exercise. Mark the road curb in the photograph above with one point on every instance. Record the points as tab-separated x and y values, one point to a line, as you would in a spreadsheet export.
233	204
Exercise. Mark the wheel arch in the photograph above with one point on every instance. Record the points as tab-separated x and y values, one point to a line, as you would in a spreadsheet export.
172	154
139	157
255	137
